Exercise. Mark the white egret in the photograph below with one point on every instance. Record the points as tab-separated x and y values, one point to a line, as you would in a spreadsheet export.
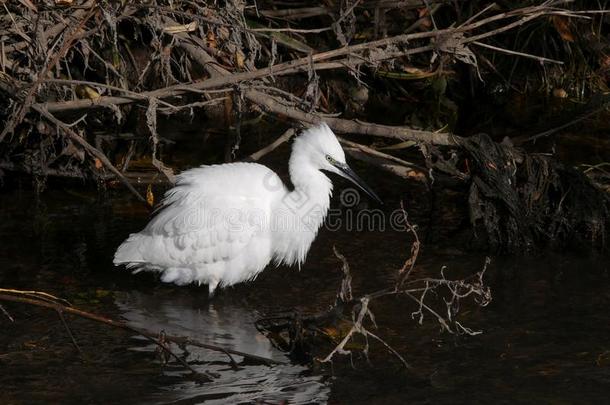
223	224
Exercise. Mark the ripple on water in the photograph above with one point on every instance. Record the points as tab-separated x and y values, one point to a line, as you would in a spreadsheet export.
230	326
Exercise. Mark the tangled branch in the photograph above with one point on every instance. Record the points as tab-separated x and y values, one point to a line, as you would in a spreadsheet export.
350	323
238	51
419	291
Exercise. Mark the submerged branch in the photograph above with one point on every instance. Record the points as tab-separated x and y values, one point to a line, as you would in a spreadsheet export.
39	299
437	298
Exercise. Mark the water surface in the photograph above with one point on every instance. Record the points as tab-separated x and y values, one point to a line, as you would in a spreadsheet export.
546	335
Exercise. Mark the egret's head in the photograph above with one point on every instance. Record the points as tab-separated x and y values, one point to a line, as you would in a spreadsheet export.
322	149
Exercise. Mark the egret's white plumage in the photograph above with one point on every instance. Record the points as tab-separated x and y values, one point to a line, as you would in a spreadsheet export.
223	224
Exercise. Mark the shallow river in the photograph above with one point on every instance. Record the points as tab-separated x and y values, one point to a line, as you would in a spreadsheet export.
546	334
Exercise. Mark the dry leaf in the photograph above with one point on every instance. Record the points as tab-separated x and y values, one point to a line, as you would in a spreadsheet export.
74	152
98	163
176	29
211	37
239	59
413	70
419	176
87	92
560	93
63	3
562	25
426	23
116	59
150	197
223	33
29	5
338	331
603	360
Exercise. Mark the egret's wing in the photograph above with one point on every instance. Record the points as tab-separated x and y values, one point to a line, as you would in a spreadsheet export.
196	227
206	222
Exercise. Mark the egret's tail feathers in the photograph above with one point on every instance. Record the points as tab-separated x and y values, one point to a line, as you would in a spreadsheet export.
130	252
141	252
145	252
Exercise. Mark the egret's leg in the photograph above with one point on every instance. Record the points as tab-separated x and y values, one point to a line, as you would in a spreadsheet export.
212	287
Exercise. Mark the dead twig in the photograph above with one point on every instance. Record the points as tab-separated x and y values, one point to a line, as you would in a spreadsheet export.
37	295
5	312
295	13
386	165
549	132
91	150
418	290
525	55
275	105
69	331
55	30
407	268
59	308
285	137
18	116
323	60
375	152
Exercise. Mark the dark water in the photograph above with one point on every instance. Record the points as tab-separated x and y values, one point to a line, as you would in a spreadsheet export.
546	335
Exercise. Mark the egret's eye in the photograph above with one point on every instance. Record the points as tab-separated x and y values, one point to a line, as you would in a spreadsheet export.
330	159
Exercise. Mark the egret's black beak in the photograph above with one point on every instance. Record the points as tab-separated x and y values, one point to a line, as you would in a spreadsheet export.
348	173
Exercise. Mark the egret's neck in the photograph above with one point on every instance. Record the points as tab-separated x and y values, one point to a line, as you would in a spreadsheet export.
308	179
303	209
